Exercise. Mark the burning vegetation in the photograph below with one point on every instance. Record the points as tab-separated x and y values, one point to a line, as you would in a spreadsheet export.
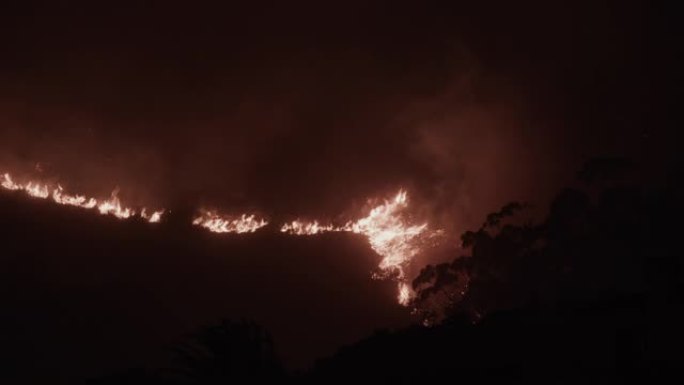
389	229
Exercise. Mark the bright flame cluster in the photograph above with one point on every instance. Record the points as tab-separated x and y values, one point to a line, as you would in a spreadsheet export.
307	228
111	206
217	223
389	233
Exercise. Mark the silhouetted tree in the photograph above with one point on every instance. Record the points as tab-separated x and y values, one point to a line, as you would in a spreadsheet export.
590	292
592	242
231	352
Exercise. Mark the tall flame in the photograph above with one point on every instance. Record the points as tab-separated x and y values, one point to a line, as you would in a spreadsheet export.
217	223
389	233
60	197
113	206
37	190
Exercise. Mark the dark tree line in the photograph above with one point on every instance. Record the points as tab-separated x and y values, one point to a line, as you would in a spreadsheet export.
230	352
609	235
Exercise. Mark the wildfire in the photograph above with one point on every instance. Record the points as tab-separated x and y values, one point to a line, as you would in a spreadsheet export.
152	217
37	190
303	228
217	223
405	293
60	197
389	233
111	206
8	184
389	230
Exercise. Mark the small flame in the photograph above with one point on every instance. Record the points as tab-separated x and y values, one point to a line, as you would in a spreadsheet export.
9	184
405	294
217	223
154	217
62	198
303	228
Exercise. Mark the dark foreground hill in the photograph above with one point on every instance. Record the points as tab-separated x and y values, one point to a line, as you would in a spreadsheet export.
84	295
617	339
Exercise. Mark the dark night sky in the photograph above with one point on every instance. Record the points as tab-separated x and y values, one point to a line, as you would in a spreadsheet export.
302	109
298	109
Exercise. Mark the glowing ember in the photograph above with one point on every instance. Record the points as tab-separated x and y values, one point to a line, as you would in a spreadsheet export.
405	294
111	206
60	197
224	224
389	234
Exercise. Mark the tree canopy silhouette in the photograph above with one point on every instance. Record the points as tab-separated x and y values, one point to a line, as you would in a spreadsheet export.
228	352
596	239
231	352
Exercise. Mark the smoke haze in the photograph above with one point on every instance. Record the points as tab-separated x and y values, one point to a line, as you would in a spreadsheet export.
294	110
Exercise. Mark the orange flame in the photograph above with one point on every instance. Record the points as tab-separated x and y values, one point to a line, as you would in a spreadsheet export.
60	197
405	294
389	234
304	228
9	184
389	231
111	206
37	190
217	223
153	217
